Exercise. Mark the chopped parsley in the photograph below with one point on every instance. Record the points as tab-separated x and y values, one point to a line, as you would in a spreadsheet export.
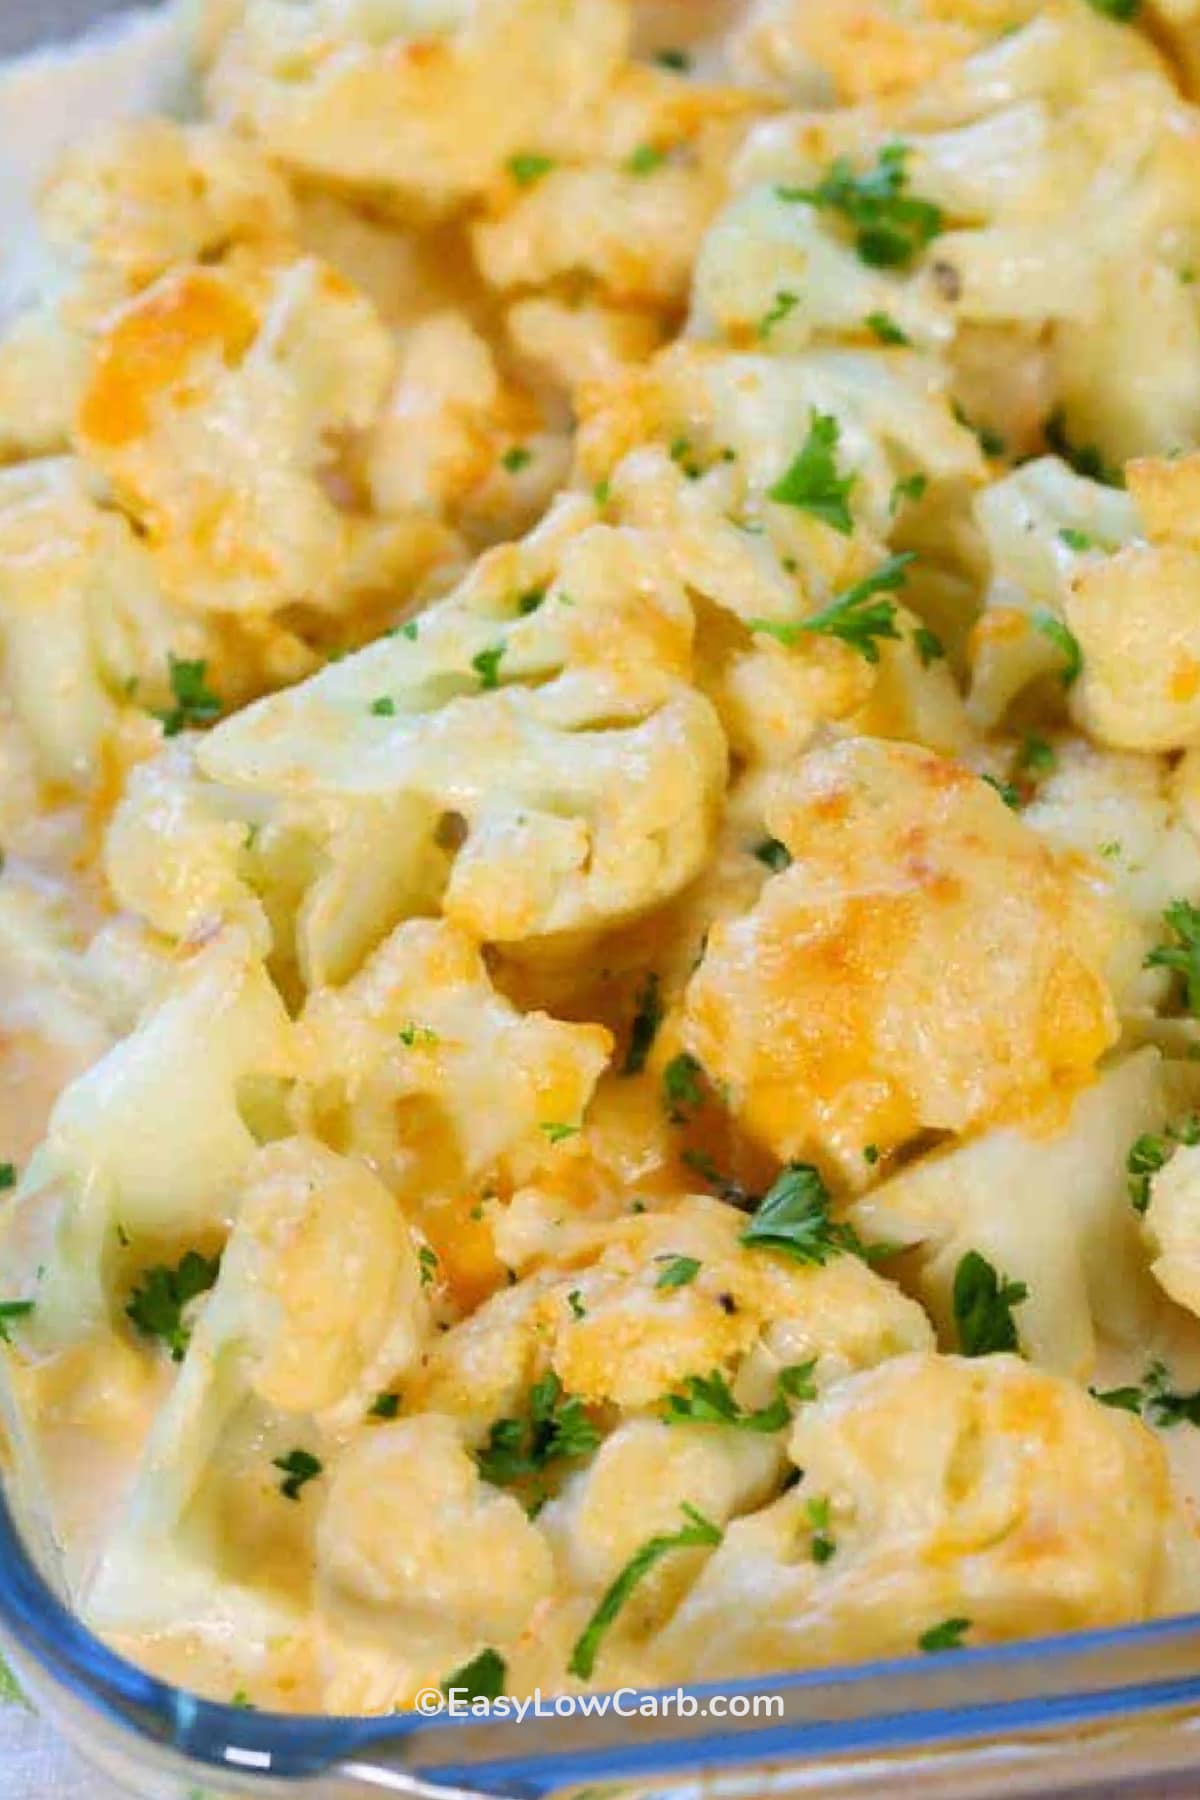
427	1263
822	1546
793	1217
1085	459
10	1310
384	1406
886	328
1007	792
409	630
706	1400
195	703
8	1176
482	1678
908	487
1120	10
679	1271
487	664
1064	641
1036	756
298	1468
1076	540
575	1302
1183	919
946	1636
602	492
679	60
645	159
644	1030
516	458
411	1035
928	645
773	855
554	1430
890	226
528	166
529	601
1155	1399
156	1305
557	1132
812	483
856	616
383	708
983	1306
697	1533
682	1085
784	303
1148	1154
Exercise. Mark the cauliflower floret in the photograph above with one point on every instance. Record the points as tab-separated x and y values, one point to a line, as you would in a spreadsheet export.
1133	616
318	1303
415	1549
81	615
863	51
150	1143
1041	523
209	407
419	1039
918	911
627	1342
982	1490
454	438
115	215
581	799
1126	813
1049	1210
1172	1227
414	104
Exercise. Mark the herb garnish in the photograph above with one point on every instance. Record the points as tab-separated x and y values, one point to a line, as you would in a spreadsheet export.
890	226
983	1306
195	703
157	1303
298	1467
698	1532
793	1217
812	483
856	617
555	1430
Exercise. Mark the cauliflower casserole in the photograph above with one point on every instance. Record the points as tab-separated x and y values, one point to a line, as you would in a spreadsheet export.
600	789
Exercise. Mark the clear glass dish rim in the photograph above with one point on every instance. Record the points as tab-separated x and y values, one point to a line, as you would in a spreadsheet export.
1068	1682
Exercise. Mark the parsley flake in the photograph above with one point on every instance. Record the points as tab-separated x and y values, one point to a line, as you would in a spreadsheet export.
1007	792
793	1217
575	1302
645	159
946	1636
156	1305
10	1310
1085	459
679	60
384	1406
889	225
558	1132
482	1678
1148	1154
908	487
427	1263
697	1533
528	166
8	1176
516	458
413	1035
298	1468
679	1271
1076	540
1183	919
383	708
554	1430
983	1306
785	302
644	1030
683	1085
856	616
1036	756
487	665
1064	641
886	328
707	1400
928	645
822	1546
812	483
195	703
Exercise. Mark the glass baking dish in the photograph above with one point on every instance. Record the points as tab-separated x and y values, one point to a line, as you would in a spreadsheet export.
1103	1713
